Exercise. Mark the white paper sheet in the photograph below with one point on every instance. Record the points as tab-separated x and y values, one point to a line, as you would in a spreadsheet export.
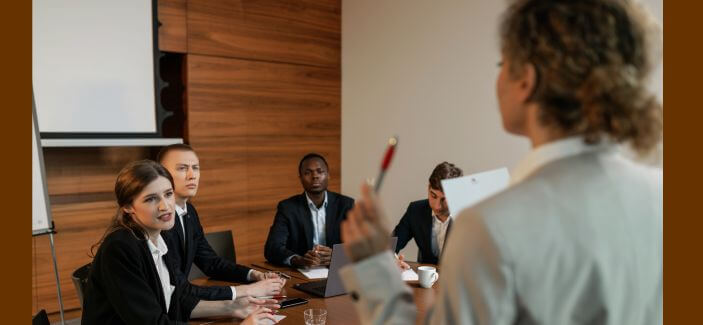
317	272
270	322
463	192
409	275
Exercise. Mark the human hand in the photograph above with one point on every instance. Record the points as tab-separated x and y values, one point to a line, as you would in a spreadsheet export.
240	307
253	302
309	259
258	316
363	232
324	253
258	275
400	260
246	306
266	287
255	310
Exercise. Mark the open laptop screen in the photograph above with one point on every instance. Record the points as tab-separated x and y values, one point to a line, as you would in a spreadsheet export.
339	259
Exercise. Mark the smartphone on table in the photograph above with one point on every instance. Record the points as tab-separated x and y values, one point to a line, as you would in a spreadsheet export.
292	302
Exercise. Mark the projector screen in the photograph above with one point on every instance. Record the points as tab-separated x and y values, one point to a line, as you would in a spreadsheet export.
93	66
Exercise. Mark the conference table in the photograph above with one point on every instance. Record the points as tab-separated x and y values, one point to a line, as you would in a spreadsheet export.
340	309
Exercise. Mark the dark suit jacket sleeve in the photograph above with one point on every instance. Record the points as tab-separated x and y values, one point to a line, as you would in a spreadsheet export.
180	280
348	205
403	230
276	250
207	260
127	288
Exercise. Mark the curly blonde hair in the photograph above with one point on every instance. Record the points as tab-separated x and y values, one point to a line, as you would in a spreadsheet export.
592	59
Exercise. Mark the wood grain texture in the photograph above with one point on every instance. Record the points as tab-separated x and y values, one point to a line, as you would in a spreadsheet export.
250	123
292	31
173	31
80	183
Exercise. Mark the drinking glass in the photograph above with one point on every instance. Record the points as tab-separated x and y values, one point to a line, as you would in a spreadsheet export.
315	316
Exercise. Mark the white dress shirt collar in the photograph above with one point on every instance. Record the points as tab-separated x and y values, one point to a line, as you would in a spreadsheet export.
312	205
434	216
182	210
159	248
550	152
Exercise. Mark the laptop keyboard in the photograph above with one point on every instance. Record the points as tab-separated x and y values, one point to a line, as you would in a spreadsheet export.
316	287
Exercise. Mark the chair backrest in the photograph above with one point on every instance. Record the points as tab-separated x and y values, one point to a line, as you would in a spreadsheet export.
41	318
223	245
80	279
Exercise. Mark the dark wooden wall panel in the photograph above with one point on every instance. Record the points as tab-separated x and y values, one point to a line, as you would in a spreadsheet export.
251	122
293	31
80	183
173	32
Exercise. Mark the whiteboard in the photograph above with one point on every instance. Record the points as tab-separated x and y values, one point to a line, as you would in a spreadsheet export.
93	66
41	213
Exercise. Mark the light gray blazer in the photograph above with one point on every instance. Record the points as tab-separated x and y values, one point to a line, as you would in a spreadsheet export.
579	241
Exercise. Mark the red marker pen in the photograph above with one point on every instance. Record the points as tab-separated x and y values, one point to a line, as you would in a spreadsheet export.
392	143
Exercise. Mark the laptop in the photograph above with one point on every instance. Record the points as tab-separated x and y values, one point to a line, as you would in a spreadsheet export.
332	286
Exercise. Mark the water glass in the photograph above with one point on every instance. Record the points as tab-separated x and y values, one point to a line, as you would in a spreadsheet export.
315	316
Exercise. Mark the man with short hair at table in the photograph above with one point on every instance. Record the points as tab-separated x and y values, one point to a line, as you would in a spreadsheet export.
306	225
428	221
187	243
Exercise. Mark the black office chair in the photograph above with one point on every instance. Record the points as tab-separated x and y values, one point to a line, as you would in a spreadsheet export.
223	245
41	318
80	279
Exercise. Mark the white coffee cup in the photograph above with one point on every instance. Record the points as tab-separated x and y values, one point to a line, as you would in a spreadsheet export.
428	276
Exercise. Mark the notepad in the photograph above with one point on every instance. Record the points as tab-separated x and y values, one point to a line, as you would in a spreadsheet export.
315	272
270	322
463	192
409	275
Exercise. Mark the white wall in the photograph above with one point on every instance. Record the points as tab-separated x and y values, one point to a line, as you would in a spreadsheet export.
425	71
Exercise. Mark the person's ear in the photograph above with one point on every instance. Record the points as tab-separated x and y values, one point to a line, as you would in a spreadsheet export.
527	82
128	209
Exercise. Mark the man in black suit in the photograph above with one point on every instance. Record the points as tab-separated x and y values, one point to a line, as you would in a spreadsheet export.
428	221
307	225
187	243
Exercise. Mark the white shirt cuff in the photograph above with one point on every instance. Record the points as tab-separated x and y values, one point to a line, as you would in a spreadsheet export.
249	274
234	293
287	261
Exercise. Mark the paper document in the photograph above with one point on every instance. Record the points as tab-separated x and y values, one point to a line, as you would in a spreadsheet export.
463	192
315	272
409	275
270	322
